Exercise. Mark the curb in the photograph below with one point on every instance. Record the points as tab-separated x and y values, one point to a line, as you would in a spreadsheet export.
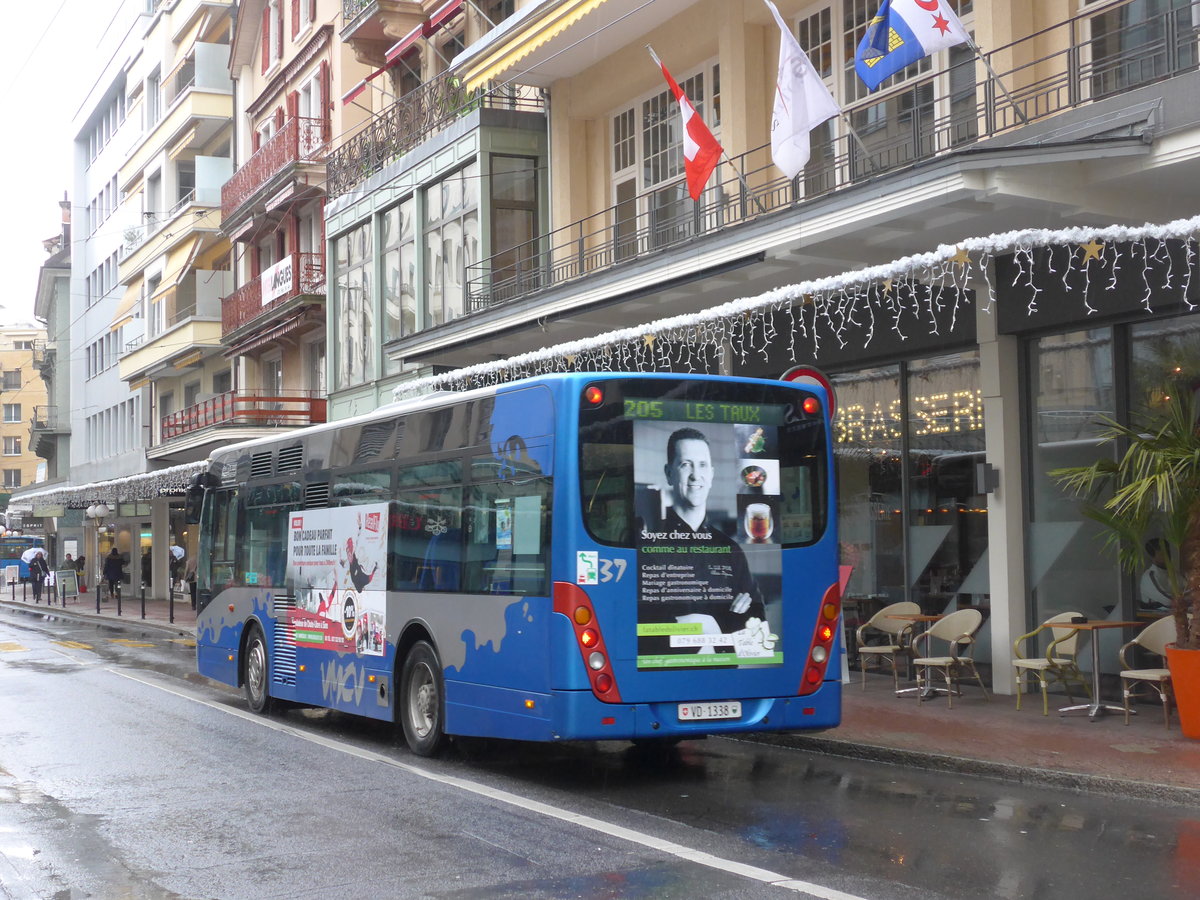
960	765
80	616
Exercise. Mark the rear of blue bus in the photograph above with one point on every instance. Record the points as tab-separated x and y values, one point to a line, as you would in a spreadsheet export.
695	578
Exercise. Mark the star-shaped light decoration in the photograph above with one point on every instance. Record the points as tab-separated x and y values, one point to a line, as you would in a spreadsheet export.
961	257
1091	250
649	339
887	285
571	359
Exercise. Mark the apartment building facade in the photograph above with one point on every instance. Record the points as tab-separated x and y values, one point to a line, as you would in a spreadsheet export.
22	399
289	66
1004	359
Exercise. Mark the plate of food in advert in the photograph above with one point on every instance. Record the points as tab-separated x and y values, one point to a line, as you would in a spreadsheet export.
754	476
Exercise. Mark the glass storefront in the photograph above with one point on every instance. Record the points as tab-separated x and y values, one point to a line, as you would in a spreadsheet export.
1078	378
912	525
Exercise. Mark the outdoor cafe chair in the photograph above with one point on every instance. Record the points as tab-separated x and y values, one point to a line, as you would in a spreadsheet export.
957	630
896	636
1154	639
1058	664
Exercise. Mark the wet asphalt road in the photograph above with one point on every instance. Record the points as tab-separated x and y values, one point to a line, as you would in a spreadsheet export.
124	774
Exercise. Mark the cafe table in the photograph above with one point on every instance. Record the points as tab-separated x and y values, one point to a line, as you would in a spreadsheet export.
927	691
1096	707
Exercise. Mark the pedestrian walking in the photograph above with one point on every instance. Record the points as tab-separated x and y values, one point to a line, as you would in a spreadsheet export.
114	571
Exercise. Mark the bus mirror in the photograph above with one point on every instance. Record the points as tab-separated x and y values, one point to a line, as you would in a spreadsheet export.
201	482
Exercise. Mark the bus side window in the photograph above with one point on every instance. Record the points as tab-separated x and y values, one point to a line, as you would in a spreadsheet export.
426	540
507	547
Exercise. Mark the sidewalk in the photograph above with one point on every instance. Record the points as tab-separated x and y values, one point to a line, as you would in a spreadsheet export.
977	737
991	738
158	613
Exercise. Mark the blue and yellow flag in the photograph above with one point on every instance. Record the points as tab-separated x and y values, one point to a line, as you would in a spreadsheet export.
902	32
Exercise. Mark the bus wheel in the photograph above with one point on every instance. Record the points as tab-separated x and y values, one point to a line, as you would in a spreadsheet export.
258	698
422	701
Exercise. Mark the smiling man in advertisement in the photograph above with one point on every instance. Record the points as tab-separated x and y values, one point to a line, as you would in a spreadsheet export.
707	565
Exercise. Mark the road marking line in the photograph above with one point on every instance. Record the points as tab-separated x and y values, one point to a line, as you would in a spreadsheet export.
187	642
545	809
74	645
11	647
129	643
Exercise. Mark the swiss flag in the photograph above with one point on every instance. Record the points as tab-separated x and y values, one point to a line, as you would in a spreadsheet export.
701	151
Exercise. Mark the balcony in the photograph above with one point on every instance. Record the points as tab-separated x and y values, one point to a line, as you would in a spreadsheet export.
43	356
245	408
299	141
45	428
371	26
414	118
305	276
1101	57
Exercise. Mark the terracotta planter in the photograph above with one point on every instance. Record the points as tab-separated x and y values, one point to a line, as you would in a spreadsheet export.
1185	682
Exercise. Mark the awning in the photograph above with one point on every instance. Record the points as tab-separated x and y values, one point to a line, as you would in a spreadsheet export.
399	48
126	309
441	16
179	261
394	56
548	40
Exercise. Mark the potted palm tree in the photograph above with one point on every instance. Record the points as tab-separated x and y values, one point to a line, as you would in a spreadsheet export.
1153	488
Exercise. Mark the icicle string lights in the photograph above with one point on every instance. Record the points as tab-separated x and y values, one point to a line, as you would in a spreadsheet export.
848	304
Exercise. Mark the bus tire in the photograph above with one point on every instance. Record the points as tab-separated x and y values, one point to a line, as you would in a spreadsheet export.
422	709
256	672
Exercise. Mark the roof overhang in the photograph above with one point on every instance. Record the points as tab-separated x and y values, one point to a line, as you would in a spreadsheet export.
555	39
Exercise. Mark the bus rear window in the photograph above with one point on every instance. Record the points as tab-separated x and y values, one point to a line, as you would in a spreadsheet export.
747	453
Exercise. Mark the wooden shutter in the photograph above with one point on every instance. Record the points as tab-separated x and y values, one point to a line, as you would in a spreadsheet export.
296	17
326	105
266	38
255	140
293	104
279	41
278	118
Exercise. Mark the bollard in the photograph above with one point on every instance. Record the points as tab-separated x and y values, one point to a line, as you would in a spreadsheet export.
143	601
119	595
171	605
98	596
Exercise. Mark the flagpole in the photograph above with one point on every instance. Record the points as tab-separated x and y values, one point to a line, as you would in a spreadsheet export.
741	177
996	78
861	146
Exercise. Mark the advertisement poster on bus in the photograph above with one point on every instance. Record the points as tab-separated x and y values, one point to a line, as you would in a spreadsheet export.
709	561
337	560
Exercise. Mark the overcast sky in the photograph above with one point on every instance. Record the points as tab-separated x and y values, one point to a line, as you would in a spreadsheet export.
48	66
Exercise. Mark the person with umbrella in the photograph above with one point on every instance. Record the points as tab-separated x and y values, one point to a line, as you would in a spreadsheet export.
39	570
174	564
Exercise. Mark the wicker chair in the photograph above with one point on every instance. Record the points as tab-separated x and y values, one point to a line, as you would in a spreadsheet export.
1154	639
958	630
1057	665
897	638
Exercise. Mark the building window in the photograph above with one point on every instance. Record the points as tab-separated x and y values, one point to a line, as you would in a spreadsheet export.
222	382
12	478
22	345
451	243
398	238
353	263
12	380
12	446
153	99
514	205
12	412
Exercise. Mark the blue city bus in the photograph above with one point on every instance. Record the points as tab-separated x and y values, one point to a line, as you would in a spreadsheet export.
576	556
11	548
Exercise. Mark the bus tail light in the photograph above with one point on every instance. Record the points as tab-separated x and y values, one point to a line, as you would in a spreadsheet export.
574	603
821	648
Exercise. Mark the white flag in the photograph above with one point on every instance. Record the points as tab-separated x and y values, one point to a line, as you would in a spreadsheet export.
802	102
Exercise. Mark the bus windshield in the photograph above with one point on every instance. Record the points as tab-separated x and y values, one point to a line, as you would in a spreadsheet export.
765	461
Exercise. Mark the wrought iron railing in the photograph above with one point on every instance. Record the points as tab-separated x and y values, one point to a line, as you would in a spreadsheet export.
245	304
1101	55
45	418
352	8
300	140
412	119
257	408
